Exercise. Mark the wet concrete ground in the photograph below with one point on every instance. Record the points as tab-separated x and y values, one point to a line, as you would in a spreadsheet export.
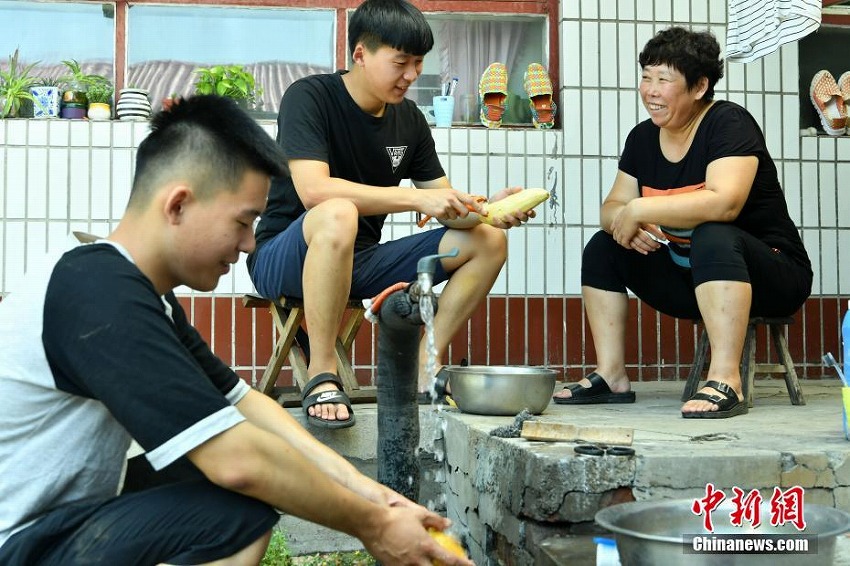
775	445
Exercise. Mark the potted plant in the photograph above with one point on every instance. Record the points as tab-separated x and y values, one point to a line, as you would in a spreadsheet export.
100	100
15	84
232	81
75	100
48	93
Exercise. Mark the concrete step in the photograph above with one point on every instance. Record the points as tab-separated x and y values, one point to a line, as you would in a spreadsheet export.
507	496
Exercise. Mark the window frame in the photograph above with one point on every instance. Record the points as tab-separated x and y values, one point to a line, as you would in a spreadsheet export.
548	8
834	19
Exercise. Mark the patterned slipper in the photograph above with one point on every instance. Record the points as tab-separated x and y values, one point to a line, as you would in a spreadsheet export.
844	87
829	103
538	86
493	94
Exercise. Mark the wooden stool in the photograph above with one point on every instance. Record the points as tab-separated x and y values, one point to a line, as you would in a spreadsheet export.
292	343
749	367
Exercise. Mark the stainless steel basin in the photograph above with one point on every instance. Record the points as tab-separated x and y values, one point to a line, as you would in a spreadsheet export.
501	390
662	532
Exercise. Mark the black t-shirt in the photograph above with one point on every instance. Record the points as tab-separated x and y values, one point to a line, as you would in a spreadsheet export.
319	120
726	130
136	352
90	357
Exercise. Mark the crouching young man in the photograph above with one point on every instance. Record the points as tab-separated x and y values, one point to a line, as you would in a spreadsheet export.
95	350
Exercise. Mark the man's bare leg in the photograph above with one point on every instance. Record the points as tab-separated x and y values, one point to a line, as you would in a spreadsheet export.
483	250
329	230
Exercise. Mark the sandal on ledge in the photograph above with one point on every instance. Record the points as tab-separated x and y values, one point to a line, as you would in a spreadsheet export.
597	393
728	406
336	397
538	86
493	94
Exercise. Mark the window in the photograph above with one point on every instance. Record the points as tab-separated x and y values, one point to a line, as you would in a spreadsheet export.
276	45
836	12
825	49
465	44
50	33
158	45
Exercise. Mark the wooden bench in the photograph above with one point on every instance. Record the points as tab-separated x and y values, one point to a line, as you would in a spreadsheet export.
749	367
293	344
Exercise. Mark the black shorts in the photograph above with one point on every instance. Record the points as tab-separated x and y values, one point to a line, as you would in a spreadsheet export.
279	263
189	522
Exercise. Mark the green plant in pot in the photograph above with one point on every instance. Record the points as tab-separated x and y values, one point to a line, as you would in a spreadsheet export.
75	84
15	84
75	99
100	101
232	81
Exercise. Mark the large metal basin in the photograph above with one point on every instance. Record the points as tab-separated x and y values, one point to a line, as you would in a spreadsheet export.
501	390
657	532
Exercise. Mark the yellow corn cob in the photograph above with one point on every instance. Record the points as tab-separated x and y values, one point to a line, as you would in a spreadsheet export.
523	201
448	542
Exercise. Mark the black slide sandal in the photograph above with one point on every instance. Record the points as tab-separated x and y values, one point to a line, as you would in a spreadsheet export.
727	406
597	393
336	397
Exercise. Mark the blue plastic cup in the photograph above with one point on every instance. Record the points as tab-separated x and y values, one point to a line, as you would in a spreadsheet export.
444	109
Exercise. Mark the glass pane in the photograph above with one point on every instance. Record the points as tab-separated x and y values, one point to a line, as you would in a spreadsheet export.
49	33
277	46
465	44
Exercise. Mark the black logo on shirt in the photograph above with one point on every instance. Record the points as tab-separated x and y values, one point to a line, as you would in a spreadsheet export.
396	155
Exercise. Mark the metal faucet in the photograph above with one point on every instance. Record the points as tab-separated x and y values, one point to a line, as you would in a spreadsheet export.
425	269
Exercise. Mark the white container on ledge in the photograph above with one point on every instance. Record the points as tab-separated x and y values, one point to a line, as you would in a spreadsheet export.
99	111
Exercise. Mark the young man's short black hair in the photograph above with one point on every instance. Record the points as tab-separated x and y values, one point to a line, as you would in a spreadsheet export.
694	54
207	140
394	23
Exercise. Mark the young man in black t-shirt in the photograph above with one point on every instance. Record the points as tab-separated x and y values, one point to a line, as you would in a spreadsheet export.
351	138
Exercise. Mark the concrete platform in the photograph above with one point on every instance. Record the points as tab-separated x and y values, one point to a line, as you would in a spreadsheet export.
508	496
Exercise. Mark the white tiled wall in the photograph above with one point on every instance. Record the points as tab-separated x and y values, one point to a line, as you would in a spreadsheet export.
57	176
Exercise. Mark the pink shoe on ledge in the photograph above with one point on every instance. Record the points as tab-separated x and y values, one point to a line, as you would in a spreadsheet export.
829	103
844	87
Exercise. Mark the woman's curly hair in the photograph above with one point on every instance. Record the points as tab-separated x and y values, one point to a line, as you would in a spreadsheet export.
695	54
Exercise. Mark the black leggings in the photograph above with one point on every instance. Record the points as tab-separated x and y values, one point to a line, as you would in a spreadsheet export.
719	252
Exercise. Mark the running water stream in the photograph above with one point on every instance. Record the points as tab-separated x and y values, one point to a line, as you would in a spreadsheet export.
426	312
437	442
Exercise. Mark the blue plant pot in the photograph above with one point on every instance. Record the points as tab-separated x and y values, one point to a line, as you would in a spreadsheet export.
73	111
48	97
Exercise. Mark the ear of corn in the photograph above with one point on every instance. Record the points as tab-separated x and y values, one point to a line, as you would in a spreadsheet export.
522	201
448	542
